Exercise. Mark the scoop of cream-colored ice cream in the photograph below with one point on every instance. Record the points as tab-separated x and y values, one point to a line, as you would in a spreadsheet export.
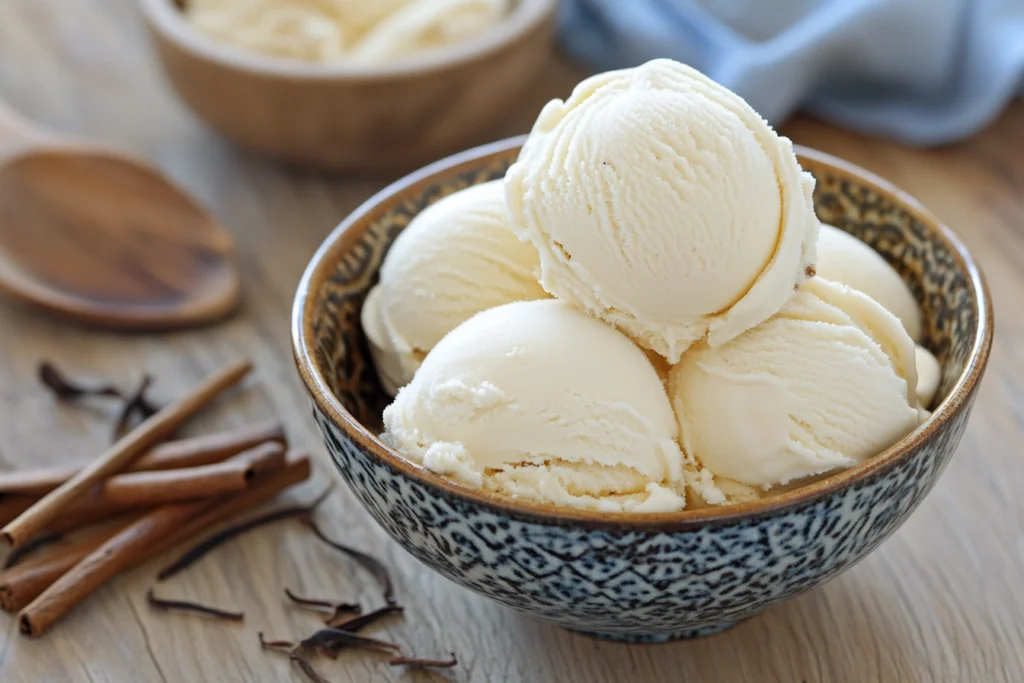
423	25
456	258
539	401
826	383
929	374
844	258
662	203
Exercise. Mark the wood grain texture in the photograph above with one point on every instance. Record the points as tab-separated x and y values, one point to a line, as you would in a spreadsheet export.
940	601
100	236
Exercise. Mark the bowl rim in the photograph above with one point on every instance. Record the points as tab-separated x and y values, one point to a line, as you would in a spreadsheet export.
335	244
167	20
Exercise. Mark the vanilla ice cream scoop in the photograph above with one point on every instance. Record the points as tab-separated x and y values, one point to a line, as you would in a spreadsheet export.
824	384
844	258
662	203
539	401
456	258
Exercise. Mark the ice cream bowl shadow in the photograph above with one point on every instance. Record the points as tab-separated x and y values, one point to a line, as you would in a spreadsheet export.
646	577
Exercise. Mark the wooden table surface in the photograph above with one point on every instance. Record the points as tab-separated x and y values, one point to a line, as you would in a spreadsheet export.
943	600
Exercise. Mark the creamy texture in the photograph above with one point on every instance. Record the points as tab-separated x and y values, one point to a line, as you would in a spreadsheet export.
394	368
826	383
335	30
662	203
929	374
844	258
538	401
456	258
423	25
661	366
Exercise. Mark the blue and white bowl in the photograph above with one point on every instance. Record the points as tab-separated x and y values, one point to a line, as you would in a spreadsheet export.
628	576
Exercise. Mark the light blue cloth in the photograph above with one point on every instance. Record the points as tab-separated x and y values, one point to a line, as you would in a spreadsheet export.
921	71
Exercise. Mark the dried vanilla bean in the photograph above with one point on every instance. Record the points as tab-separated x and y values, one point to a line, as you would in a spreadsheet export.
418	663
189	606
334	610
192	555
357	623
368	562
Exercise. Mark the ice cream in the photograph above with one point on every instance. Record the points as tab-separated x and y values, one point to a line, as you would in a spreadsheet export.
455	258
368	31
423	25
844	258
691	356
661	366
929	373
359	17
826	383
662	203
538	401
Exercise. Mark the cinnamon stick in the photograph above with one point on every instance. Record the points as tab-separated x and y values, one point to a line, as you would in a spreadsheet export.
296	470
209	448
82	512
41	541
21	584
120	455
96	507
12	506
156	488
130	492
114	555
89	511
191	452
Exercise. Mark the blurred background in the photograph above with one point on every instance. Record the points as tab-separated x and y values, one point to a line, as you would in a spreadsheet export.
924	72
393	84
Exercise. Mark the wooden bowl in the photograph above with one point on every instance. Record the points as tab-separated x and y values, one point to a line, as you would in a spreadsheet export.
645	577
355	117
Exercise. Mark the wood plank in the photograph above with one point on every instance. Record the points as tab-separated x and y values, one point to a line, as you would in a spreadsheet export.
941	601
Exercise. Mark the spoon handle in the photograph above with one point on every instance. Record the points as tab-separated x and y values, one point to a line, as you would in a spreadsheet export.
16	132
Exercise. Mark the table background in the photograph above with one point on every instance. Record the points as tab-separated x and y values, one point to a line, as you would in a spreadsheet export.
940	601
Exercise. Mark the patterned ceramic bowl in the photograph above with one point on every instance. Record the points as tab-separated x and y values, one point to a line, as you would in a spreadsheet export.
649	577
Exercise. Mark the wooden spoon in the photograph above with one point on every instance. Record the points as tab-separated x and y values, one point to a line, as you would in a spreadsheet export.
103	237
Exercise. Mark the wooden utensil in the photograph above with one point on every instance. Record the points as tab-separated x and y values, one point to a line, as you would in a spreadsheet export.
103	237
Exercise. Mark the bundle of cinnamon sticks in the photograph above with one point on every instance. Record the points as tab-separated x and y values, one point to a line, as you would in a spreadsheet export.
141	497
